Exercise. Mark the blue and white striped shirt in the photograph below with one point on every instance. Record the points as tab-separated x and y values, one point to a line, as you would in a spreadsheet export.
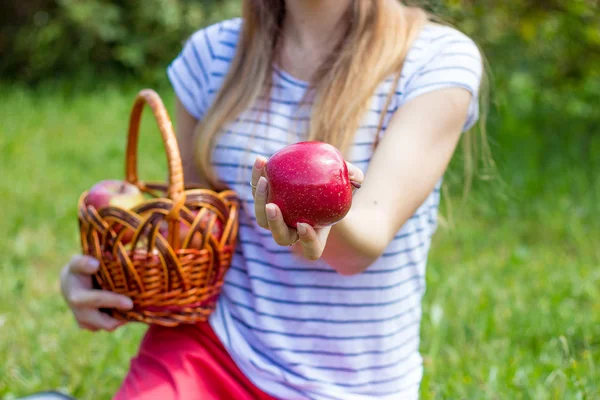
296	328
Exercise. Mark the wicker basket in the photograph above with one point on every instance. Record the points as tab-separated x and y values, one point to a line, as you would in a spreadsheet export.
171	279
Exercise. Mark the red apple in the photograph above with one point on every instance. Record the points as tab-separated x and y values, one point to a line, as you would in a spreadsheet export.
114	193
117	194
127	236
217	229
309	183
184	230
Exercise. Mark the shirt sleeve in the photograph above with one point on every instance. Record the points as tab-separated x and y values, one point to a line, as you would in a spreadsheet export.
190	72
448	59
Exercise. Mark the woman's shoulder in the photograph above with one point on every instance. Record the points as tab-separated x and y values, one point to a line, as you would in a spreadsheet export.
442	57
199	68
437	40
442	44
224	33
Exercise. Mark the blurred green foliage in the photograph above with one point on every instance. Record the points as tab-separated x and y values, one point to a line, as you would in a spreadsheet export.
544	62
525	326
544	65
44	39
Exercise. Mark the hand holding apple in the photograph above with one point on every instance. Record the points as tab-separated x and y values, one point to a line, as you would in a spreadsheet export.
309	182
301	191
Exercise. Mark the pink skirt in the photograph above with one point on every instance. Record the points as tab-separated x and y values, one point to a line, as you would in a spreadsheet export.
186	362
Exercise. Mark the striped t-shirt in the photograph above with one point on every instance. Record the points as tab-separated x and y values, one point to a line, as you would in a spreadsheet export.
297	328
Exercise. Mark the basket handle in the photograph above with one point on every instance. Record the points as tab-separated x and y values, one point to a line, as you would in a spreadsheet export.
176	183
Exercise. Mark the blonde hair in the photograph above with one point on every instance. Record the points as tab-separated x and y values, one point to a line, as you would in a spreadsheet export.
341	89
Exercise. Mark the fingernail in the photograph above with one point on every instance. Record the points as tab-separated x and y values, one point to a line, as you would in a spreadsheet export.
262	185
351	174
271	211
127	303
301	228
94	263
259	162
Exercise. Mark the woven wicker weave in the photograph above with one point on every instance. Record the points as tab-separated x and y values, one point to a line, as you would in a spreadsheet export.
172	279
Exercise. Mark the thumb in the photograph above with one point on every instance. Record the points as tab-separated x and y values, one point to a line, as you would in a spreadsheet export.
355	174
83	265
311	243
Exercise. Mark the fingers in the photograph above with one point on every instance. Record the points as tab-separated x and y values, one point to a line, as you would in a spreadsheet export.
269	216
87	327
94	320
260	202
81	264
312	245
259	191
85	302
84	298
355	174
257	171
282	234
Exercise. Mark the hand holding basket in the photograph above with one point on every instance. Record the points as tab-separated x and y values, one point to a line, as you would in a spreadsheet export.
170	252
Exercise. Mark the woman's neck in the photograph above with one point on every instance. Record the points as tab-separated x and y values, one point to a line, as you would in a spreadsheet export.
314	23
311	30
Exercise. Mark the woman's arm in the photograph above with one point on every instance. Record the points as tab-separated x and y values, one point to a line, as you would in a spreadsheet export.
408	162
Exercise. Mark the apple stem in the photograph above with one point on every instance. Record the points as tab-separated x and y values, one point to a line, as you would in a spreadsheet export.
355	184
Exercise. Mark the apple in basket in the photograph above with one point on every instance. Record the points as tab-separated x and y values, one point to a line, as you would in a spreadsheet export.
309	183
184	230
115	193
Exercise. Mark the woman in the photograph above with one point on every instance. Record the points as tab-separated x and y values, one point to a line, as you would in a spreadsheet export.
331	313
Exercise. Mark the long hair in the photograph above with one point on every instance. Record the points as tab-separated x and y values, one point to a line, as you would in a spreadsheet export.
343	85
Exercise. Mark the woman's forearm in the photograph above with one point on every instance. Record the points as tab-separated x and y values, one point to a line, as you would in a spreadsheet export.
401	175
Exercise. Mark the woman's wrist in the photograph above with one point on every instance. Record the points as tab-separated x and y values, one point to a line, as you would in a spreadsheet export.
356	241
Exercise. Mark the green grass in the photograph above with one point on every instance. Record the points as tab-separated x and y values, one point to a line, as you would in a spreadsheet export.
512	309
